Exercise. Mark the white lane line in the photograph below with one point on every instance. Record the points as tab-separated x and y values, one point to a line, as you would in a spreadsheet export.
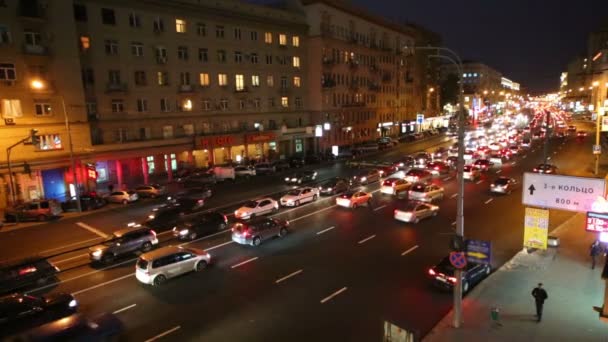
380	207
488	201
454	223
524	157
479	182
409	250
454	195
124	309
102	284
325	230
367	239
244	262
68	245
218	246
447	179
288	276
69	259
333	295
163	334
313	213
91	229
498	171
554	152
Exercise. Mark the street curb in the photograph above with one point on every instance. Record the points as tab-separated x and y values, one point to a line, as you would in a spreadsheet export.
446	322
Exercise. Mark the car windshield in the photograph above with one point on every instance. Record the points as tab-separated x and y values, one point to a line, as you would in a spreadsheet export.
294	193
239	227
250	204
501	181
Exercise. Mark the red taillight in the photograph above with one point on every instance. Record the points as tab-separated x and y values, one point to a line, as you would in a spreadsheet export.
535	170
436	167
27	270
225	219
246	233
395	212
153	233
431	272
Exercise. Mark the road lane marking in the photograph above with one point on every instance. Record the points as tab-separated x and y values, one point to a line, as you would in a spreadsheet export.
102	284
479	181
68	259
92	230
328	298
409	250
288	276
206	237
380	207
367	239
488	201
498	171
244	262
68	245
325	230
124	309
163	334
454	195
447	179
218	246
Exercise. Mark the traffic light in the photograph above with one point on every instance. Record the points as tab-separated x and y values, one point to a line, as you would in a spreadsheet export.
35	139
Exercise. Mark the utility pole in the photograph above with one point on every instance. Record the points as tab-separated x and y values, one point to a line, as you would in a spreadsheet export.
72	161
547	137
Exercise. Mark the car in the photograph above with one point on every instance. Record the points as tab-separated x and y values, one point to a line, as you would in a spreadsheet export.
571	128
296	162
40	210
537	135
301	177
200	225
405	163
244	171
88	201
333	186
442	275
503	185
281	165
470	173
152	191
452	161
23	273
198	193
581	134
496	158
415	211
438	167
298	196
264	168
515	150
155	267
483	164
256	207
418	175
366	177
425	192
386	169
77	327
354	199
123	242
188	205
199	179
545	168
422	158
259	230
395	186
21	311
526	142
439	152
123	197
506	153
166	215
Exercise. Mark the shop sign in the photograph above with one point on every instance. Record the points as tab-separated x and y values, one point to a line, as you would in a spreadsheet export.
91	173
259	138
220	140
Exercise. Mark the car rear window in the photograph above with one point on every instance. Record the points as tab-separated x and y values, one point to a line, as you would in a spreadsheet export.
418	188
142	264
502	181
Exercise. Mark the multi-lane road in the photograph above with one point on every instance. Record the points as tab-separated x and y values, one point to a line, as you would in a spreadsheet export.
337	275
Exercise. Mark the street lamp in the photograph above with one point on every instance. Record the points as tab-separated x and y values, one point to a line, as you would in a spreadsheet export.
454	58
40	85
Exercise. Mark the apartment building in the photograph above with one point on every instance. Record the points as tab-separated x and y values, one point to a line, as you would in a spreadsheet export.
149	87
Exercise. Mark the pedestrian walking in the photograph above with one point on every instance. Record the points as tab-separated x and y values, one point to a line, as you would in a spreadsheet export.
540	295
594	251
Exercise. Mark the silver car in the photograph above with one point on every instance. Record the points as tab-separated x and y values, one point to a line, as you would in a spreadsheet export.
258	230
425	192
296	197
416	211
124	241
154	268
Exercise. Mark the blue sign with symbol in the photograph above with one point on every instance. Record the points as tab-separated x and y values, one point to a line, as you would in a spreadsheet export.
479	251
419	118
458	259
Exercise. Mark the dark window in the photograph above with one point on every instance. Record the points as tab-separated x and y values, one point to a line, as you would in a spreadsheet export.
164	261
80	12
107	16
88	76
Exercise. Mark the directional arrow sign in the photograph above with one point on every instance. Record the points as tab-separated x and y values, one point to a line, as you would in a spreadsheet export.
562	192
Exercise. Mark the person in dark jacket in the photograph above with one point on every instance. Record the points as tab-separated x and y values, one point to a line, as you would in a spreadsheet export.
594	251
540	295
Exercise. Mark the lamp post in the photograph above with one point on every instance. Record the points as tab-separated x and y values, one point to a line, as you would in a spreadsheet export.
39	85
598	122
452	57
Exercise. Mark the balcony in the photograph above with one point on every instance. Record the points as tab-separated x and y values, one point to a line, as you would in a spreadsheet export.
243	89
328	84
328	61
36	50
185	88
116	87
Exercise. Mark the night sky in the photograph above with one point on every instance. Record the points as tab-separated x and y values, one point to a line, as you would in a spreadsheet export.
529	41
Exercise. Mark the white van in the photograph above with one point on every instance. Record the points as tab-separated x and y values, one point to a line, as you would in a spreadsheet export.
155	267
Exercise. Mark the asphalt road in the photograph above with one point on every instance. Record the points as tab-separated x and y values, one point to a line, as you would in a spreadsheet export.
337	275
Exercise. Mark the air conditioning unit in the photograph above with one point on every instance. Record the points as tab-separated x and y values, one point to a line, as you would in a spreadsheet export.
9	121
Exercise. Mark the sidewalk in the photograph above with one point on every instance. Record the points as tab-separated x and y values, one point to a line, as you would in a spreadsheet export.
573	289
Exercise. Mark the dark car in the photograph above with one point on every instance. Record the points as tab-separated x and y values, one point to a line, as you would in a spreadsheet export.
442	275
452	161
296	162
366	177
545	168
333	186
76	327
123	242
281	165
422	158
312	159
25	273
200	192
258	230
20	311
167	215
439	152
405	163
301	177
88	201
197	180
201	225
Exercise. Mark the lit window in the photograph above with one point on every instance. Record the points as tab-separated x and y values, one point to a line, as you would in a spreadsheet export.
204	79
162	78
268	38
255	80
187	105
85	43
222	80
180	26
296	61
297	81
295	41
49	142
464	75
284	101
270	81
239	82
282	39
150	162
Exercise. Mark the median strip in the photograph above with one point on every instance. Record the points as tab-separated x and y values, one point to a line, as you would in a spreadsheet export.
328	298
288	276
244	262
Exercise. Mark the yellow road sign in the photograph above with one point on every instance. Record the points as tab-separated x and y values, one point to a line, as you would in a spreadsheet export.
536	228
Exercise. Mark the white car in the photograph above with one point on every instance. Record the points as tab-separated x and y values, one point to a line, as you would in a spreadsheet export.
244	171
256	208
298	196
415	211
425	192
470	173
123	197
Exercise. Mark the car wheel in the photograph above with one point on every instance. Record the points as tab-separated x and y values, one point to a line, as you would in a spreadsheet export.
192	236
283	232
257	241
314	197
159	280
201	265
297	203
465	287
124	201
107	258
146	247
41	218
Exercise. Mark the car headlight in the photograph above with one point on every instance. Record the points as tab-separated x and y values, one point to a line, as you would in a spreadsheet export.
73	303
329	189
294	179
363	179
183	232
151	217
287	179
97	253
